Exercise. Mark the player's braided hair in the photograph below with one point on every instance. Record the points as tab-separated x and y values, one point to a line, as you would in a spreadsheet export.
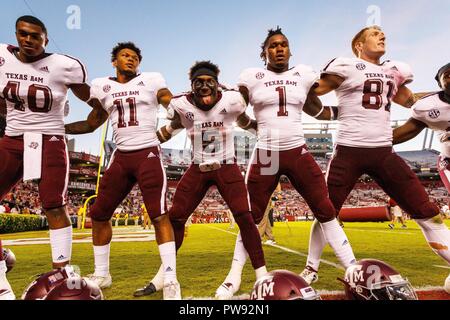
125	45
270	34
32	20
206	67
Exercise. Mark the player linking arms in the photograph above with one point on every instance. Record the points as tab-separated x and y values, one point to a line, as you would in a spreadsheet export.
433	111
365	88
208	115
33	91
131	102
279	94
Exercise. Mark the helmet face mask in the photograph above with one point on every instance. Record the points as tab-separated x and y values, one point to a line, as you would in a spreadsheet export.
371	279
387	291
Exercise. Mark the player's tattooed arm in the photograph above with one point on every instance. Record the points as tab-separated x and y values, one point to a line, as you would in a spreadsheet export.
407	98
95	119
81	91
328	83
167	132
408	131
313	107
164	97
246	123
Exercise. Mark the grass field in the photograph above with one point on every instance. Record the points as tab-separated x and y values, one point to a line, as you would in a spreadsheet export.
206	255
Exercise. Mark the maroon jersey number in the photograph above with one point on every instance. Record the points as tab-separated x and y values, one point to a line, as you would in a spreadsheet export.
11	94
373	90
133	113
282	112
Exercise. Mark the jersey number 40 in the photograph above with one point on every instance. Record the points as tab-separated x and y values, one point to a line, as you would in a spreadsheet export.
11	94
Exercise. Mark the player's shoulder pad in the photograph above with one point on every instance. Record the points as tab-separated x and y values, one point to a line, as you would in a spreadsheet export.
339	62
301	68
403	68
424	104
152	75
250	73
99	81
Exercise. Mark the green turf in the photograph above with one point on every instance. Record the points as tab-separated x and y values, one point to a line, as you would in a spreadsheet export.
206	255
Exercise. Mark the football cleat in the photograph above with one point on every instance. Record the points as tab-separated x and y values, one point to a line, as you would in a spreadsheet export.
226	291
447	284
145	291
172	291
309	275
102	282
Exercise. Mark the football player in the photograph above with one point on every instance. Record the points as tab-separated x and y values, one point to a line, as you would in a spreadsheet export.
279	94
432	111
209	116
33	88
131	102
365	88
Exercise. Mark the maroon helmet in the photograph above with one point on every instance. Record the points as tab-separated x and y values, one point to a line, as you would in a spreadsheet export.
40	287
75	289
10	259
283	285
371	279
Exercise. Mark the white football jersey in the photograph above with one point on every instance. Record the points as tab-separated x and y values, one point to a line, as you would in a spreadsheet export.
132	109
211	132
278	100
434	111
36	92
364	100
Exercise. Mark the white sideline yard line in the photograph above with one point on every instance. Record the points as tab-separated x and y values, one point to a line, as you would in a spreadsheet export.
442	267
392	232
337	266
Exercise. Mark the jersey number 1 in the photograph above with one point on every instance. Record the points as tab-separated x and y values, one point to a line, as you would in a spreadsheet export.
282	112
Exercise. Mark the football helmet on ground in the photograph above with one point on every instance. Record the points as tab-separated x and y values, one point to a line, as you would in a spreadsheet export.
371	279
283	285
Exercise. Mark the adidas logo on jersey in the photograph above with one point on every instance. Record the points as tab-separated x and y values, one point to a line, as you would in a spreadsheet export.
54	139
297	74
224	111
394	68
151	155
44	69
141	84
169	269
304	151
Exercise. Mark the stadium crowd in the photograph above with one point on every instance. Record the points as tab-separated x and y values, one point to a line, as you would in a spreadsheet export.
23	199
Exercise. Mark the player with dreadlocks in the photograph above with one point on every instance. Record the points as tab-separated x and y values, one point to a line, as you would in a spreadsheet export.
279	94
